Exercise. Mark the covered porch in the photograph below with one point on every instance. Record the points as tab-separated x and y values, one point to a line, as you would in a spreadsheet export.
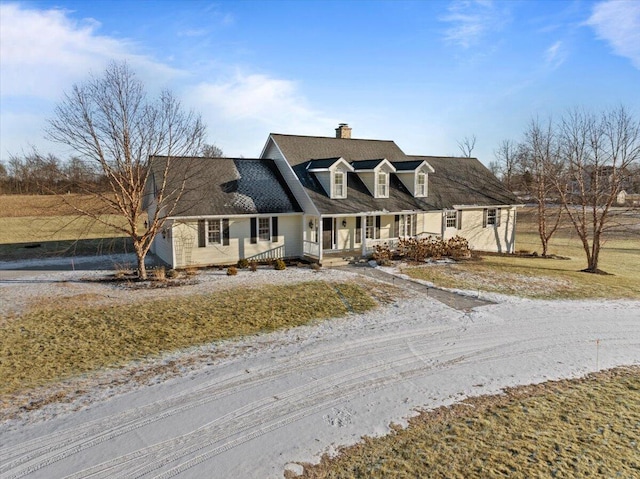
358	235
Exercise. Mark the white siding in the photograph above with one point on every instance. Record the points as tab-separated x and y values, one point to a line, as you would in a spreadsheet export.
431	224
162	246
188	252
500	239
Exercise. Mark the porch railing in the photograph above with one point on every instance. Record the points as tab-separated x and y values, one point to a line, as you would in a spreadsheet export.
371	244
311	248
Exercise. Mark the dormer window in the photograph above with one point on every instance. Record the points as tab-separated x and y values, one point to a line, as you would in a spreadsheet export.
382	185
421	184
339	190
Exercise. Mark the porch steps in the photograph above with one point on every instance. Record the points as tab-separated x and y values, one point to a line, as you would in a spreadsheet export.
333	262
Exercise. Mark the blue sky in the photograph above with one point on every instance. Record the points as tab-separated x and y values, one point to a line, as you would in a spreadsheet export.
424	74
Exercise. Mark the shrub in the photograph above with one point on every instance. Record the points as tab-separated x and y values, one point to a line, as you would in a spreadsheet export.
279	264
431	247
232	271
172	273
382	254
243	263
253	266
191	271
159	273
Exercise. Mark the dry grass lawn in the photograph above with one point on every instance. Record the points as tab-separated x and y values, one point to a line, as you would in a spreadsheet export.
588	427
48	344
543	277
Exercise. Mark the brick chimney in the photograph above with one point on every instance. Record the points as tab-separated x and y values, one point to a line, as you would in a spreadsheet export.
343	131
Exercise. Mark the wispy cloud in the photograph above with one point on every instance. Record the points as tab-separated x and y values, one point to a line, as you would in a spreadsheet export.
470	20
44	52
618	23
555	55
255	102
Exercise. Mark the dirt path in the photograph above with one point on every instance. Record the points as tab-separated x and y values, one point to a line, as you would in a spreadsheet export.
290	396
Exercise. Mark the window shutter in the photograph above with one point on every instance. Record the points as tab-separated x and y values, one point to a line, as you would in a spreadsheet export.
274	229
484	218
358	229
396	226
498	214
459	219
202	234
254	230
225	232
377	233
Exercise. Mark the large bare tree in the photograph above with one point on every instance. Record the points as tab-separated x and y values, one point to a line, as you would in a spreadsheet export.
598	152
539	154
110	122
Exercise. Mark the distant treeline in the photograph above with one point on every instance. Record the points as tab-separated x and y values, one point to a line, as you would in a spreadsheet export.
36	174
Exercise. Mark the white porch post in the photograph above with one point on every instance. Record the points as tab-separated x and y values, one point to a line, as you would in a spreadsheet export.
363	234
320	237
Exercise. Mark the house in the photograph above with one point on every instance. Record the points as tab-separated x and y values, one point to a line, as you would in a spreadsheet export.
314	197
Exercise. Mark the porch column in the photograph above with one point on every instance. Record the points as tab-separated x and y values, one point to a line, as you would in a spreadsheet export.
363	234
320	236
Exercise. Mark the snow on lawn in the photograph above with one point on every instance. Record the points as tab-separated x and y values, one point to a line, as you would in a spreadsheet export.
287	397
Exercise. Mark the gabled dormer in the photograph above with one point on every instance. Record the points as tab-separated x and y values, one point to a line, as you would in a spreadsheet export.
331	173
414	175
375	175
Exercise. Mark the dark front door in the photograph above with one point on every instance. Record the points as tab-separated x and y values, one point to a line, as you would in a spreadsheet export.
327	233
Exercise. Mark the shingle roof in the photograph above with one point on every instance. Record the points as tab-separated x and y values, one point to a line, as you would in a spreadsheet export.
299	149
227	186
366	164
322	163
407	165
464	181
456	181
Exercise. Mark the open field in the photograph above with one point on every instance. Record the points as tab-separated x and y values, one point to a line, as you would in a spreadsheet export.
16	206
573	428
41	226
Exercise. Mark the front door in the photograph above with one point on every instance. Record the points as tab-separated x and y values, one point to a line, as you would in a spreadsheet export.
327	233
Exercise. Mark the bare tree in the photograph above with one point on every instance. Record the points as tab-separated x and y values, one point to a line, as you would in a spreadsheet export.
211	151
507	161
467	145
539	155
110	123
598	152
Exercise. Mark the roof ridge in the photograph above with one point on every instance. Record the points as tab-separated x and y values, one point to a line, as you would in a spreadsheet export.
333	138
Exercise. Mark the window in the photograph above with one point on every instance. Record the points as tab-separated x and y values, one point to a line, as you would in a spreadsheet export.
421	184
383	182
492	217
214	232
264	230
338	185
372	227
452	219
407	225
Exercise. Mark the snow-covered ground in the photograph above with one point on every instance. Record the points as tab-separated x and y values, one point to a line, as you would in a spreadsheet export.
269	401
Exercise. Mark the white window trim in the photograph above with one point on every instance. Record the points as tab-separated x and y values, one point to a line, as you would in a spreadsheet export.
412	228
451	216
208	230
495	217
343	175
382	188
370	227
423	187
269	229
